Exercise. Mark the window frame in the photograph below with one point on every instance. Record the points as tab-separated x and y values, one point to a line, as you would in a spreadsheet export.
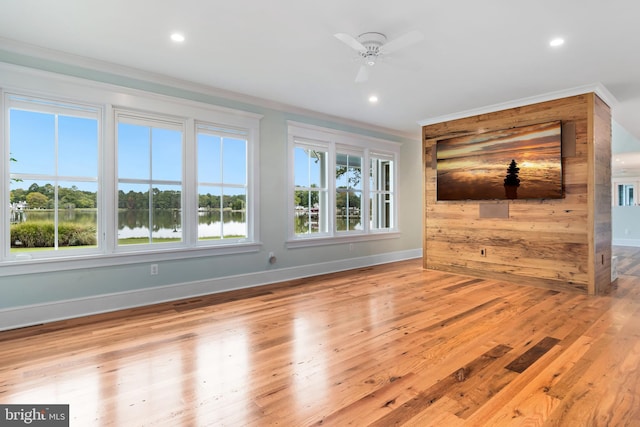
324	191
223	132
29	102
333	142
154	121
378	192
109	98
631	183
349	151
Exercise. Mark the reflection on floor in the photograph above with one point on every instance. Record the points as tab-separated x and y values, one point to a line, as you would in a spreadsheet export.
385	345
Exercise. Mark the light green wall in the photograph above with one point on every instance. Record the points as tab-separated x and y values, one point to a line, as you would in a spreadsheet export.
625	226
27	289
622	141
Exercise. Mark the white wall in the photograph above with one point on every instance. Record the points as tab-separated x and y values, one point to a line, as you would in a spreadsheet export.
626	225
622	141
625	219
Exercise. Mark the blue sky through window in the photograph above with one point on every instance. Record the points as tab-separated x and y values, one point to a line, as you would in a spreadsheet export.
32	137
308	166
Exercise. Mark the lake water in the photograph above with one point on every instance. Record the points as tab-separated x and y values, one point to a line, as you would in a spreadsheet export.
166	223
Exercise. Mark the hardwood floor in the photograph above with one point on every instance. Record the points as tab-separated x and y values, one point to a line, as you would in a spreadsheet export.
386	345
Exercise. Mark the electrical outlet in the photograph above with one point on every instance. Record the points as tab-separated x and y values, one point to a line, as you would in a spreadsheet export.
350	247
154	269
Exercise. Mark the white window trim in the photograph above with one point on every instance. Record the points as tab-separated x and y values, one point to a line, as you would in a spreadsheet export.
250	188
364	171
29	102
323	146
333	140
393	192
632	180
46	85
164	122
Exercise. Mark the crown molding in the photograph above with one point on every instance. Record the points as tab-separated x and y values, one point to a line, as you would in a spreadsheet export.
597	88
87	63
343	134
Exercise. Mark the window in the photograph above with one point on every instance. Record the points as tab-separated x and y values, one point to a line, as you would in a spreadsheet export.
222	184
53	170
311	189
149	180
99	175
348	191
381	192
625	194
329	196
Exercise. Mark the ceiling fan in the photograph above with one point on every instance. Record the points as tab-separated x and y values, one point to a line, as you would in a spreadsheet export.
372	46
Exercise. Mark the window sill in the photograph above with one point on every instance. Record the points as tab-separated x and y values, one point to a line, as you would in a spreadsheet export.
21	266
304	242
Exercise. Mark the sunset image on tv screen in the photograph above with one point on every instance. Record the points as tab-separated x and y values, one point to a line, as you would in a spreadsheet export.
518	163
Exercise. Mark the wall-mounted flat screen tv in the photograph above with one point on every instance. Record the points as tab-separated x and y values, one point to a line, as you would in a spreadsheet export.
518	163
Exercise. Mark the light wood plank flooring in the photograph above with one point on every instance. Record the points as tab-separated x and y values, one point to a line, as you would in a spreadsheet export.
386	345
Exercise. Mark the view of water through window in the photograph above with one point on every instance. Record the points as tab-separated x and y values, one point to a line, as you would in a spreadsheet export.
133	225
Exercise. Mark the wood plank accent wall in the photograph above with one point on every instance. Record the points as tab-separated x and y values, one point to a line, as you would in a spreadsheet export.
556	243
600	199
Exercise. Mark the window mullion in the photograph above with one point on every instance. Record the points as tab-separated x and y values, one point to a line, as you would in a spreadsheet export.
107	180
150	201
56	183
5	156
331	182
190	185
366	196
222	189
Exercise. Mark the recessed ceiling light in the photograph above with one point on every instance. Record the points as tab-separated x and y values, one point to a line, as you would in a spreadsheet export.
558	41
177	37
373	99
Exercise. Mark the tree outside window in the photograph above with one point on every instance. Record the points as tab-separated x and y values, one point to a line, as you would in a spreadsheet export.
149	181
310	192
348	192
222	184
53	172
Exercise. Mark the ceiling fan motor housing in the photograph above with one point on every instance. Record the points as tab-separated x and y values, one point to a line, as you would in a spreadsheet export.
372	42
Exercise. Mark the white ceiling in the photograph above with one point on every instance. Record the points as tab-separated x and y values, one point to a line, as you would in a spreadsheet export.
474	54
625	164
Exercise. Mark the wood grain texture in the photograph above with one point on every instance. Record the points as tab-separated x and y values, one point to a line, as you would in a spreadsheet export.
387	345
561	243
600	199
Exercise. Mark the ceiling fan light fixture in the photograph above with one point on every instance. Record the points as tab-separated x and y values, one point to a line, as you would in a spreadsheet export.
370	60
371	46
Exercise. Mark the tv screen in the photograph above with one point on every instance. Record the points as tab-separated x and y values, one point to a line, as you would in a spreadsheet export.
517	163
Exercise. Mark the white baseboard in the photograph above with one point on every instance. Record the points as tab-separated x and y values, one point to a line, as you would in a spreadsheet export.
16	317
626	242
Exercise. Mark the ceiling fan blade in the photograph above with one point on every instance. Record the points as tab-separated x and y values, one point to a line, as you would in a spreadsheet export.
351	42
363	74
402	41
